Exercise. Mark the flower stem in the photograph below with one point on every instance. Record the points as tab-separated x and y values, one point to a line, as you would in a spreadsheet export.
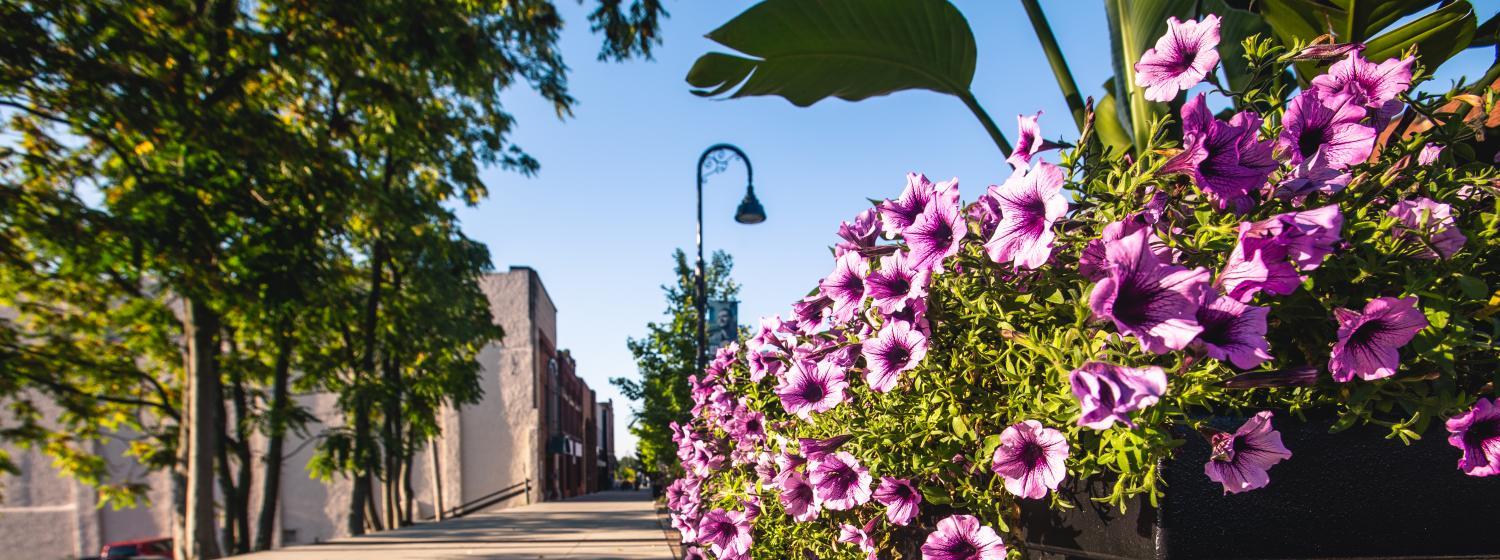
989	124
1055	59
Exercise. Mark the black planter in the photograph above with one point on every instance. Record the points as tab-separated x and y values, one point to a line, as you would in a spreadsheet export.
1349	495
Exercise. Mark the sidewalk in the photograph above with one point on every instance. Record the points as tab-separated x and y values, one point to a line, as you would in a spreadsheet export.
619	524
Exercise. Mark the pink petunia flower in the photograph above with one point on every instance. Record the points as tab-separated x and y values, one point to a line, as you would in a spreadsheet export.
899	214
896	283
1370	340
1429	224
1030	201
1240	460
1372	86
1233	331
1108	393
1322	136
1476	432
1155	302
798	498
963	537
810	388
727	533
860	537
859	234
898	348
839	481
1030	459
935	234
1181	58
1225	160
900	498
1029	141
845	286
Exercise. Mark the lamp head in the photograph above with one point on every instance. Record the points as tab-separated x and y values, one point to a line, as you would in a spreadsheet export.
750	211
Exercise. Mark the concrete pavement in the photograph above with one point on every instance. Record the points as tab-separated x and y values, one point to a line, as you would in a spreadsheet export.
614	525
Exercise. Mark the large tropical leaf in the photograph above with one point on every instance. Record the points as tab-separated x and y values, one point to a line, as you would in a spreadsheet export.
807	51
1237	25
1438	36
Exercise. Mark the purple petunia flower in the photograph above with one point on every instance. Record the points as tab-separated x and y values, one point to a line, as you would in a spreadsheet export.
1259	262
839	481
1477	433
813	448
896	283
1029	141
1369	85
1030	459
860	233
1429	154
1226	160
1181	58
1429	224
1233	331
860	536
1030	201
810	388
845	286
808	313
935	234
897	348
900	498
798	498
1109	393
1155	302
899	214
726	532
963	537
1092	265
1322	136
1309	235
763	364
1240	460
1370	340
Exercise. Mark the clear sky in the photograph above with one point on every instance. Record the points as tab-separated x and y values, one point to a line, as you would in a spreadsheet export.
615	193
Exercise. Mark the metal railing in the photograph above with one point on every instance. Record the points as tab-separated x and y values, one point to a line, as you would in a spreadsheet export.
487	500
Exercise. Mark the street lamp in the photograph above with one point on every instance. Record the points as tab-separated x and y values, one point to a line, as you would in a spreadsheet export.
714	160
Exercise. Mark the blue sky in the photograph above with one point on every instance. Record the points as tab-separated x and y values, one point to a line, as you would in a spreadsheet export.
615	193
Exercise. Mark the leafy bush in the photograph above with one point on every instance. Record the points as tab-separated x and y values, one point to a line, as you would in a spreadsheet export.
1327	249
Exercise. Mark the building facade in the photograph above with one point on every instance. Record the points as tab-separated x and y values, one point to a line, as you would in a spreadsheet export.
535	435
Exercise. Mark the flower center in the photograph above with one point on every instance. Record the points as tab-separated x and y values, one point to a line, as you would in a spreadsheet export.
963	549
1481	432
1366	333
898	355
813	392
1032	455
899	285
1133	304
942	235
1223	448
1311	139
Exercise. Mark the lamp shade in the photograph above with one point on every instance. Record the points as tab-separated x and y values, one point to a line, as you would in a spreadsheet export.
750	211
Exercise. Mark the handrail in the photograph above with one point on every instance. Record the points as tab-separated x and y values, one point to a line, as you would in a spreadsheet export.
485	501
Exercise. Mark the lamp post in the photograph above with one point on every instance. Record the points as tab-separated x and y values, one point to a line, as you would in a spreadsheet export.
714	160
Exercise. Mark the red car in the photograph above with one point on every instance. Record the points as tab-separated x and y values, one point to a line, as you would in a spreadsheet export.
144	548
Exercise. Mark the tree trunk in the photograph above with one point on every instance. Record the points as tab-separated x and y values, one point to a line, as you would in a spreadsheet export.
363	450
406	490
241	512
275	440
437	476
204	396
232	504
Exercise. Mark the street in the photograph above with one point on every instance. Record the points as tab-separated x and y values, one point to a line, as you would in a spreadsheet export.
618	524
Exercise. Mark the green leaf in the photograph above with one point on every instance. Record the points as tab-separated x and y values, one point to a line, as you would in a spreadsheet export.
849	49
1438	36
1364	18
1473	288
1107	123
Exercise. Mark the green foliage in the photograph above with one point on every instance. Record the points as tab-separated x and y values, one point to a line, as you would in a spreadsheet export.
665	358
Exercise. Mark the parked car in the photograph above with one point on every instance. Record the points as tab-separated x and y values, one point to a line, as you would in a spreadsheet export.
137	550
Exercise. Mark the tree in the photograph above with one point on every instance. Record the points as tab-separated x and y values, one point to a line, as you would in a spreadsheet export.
207	196
665	358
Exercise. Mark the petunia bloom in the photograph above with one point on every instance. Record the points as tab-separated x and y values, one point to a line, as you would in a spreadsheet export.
1229	163
1029	141
1155	302
935	234
896	283
807	313
1108	393
845	286
859	234
899	214
1321	136
1030	201
1030	459
963	537
1240	460
1259	262
839	481
897	348
1233	331
860	537
1477	433
1370	340
1372	86
900	498
813	448
1429	224
810	388
1181	58
798	498
1429	154
726	532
